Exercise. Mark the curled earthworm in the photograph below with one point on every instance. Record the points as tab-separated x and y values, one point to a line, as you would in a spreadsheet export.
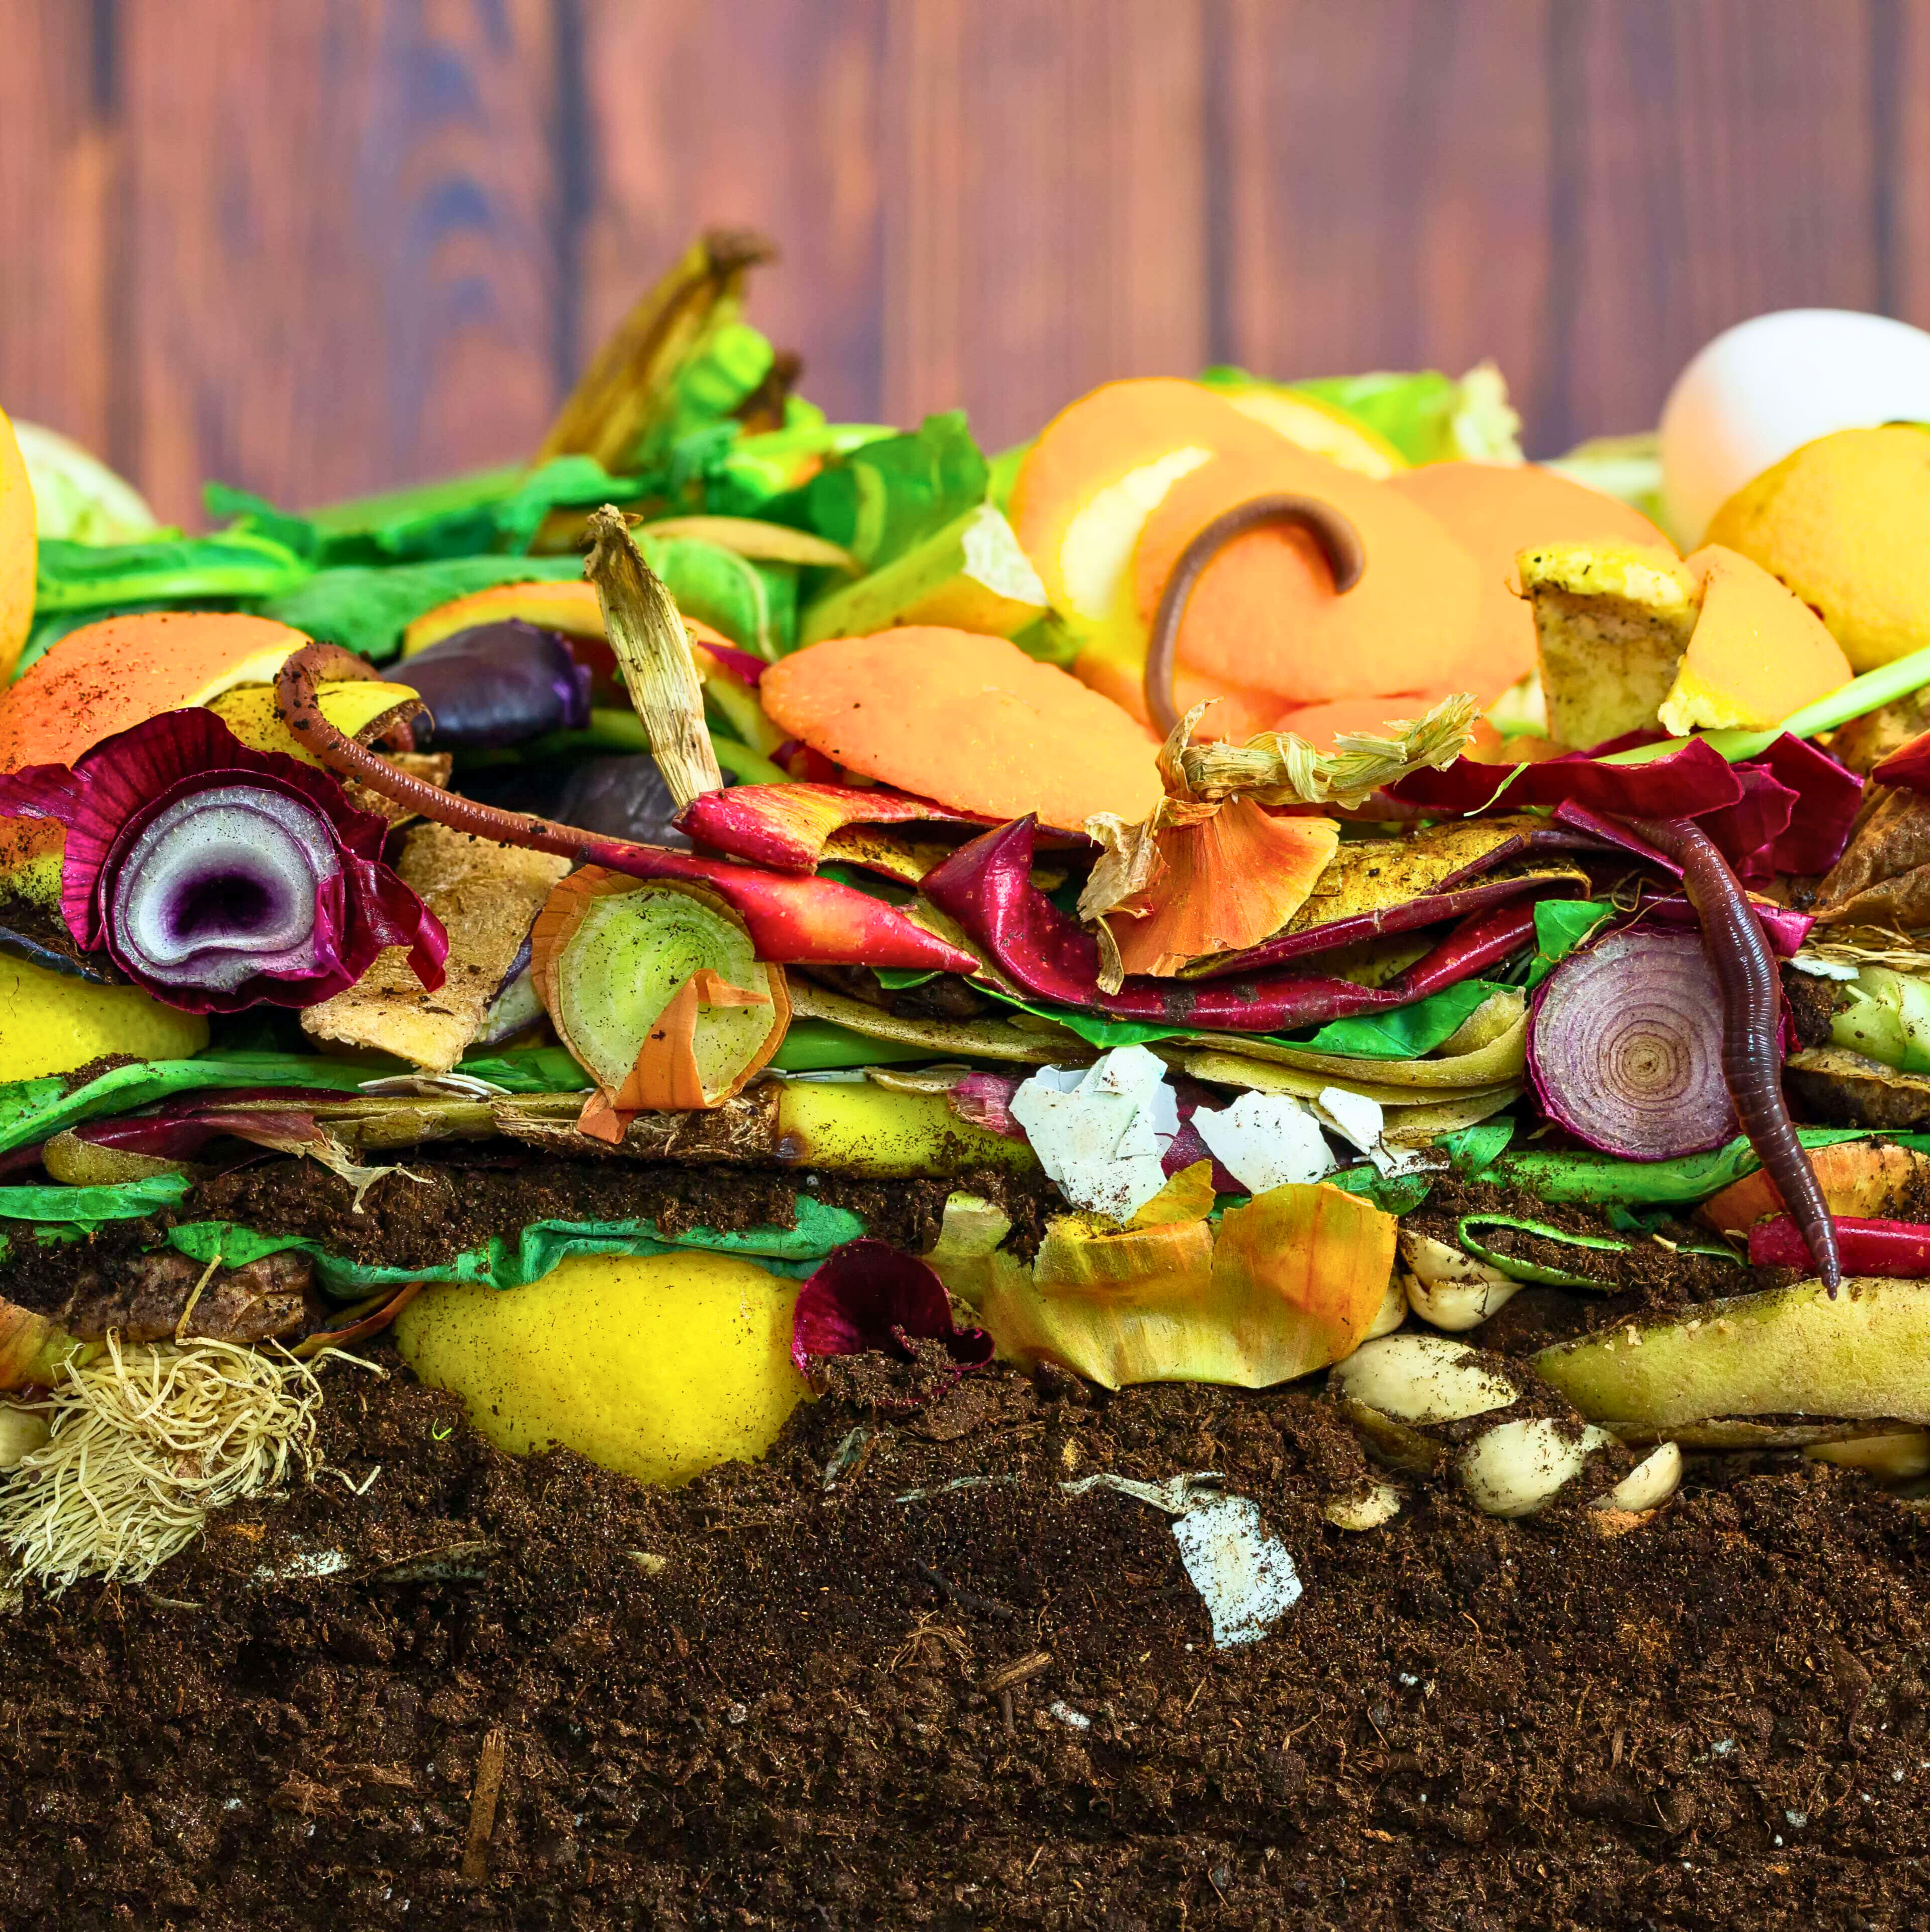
1745	970
1339	544
296	706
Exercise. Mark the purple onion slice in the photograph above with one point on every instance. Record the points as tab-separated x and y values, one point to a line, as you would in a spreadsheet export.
1625	1048
218	878
221	884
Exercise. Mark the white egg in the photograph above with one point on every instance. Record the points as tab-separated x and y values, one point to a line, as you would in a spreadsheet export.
1770	385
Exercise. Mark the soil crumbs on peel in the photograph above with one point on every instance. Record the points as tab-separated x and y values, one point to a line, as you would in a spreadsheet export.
773	1698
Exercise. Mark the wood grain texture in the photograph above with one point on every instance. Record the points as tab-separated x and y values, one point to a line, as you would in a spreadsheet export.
1046	227
761	114
324	246
342	272
1726	165
1387	191
59	152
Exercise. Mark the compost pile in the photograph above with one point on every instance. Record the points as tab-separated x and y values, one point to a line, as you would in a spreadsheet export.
774	1173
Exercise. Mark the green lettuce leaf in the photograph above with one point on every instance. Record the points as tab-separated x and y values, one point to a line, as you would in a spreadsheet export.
496	515
103	577
1400	1033
31	1111
884	497
1601	1180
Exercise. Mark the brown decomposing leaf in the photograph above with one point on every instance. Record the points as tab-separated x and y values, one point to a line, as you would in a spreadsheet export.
1848	1090
1883	877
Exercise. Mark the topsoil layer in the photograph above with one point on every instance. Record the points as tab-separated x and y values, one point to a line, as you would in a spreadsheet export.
774	1698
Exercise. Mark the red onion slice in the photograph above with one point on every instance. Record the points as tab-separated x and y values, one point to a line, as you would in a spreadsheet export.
1625	1048
221	885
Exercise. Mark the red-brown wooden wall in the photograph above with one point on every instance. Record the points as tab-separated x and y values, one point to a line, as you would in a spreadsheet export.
317	246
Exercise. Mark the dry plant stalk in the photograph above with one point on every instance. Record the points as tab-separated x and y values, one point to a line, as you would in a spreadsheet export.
653	653
1276	768
145	1442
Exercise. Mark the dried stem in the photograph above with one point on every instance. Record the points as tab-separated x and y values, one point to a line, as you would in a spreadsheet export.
653	653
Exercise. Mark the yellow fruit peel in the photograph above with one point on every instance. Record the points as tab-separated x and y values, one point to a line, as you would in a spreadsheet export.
658	1367
50	1023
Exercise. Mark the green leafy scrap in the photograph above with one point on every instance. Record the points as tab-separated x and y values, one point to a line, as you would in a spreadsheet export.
366	609
104	577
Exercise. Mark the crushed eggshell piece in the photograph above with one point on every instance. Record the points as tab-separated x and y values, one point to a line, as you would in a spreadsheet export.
1100	1133
1362	1123
486	895
1266	1140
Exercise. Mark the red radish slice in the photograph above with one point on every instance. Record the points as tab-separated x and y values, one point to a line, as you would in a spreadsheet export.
1625	1048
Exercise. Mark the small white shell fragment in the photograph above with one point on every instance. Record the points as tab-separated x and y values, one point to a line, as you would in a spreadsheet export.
1517	1468
1421	1378
1245	1577
1363	1122
1381	1504
1265	1140
1648	1485
1458	1307
22	1432
1100	1132
1393	1307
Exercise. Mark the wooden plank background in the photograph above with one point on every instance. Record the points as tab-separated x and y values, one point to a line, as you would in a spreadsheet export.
319	247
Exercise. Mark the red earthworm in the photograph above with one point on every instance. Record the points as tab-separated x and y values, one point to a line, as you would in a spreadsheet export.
1339	543
1745	970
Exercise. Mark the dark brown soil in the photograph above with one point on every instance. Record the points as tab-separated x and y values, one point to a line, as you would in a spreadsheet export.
437	1210
764	1701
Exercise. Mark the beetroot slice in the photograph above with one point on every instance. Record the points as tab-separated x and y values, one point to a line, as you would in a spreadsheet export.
1625	1048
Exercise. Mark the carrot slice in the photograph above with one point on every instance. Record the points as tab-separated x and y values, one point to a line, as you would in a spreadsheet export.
968	721
1497	510
114	675
1264	614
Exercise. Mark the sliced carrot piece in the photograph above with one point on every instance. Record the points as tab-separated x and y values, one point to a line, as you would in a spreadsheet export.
1264	614
1497	510
968	721
112	675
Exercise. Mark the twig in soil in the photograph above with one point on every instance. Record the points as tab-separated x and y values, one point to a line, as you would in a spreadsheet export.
1017	1672
482	1807
967	1600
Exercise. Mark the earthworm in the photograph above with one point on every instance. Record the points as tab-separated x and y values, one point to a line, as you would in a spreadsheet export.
1339	544
296	706
1745	970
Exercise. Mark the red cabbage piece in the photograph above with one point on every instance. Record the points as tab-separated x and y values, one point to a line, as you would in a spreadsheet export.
497	684
1682	785
1829	794
868	1295
217	877
1789	810
986	887
739	666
